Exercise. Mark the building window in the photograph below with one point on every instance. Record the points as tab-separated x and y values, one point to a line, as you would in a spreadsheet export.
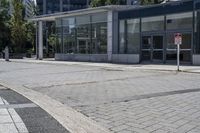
83	29
59	36
197	33
133	36
99	33
83	38
122	40
99	38
153	23
179	21
83	34
69	43
129	36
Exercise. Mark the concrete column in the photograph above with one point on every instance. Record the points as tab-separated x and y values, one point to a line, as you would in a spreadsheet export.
109	35
40	40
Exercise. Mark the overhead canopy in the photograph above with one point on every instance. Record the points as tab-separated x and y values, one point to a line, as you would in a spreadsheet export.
52	17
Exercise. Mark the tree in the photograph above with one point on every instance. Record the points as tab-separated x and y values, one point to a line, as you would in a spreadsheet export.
52	42
30	36
18	27
96	3
4	24
148	2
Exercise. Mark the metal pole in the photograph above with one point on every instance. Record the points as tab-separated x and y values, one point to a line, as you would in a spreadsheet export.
36	41
178	57
40	41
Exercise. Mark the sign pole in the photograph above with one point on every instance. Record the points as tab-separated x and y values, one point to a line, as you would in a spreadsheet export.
178	42
178	57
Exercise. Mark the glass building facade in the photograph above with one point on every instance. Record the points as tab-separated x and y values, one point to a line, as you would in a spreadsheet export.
86	34
132	35
155	39
53	6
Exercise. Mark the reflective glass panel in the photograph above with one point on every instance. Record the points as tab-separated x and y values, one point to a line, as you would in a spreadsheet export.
82	20
99	38
179	21
197	33
158	42
153	23
133	36
122	37
146	42
100	17
83	38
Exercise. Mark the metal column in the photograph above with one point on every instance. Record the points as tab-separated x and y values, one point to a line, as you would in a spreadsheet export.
40	33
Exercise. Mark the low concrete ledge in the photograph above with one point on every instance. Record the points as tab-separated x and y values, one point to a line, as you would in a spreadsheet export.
82	57
196	59
126	58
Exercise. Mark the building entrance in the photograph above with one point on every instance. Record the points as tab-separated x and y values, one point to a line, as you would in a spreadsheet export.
156	49
152	48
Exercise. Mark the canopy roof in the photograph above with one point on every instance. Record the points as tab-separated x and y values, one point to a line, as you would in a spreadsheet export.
52	17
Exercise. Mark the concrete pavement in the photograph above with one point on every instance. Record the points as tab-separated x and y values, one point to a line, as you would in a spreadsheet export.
120	98
158	67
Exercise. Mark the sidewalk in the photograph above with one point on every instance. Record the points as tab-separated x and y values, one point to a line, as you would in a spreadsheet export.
20	115
10	121
158	67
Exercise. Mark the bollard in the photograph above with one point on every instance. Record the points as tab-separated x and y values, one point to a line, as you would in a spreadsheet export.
6	51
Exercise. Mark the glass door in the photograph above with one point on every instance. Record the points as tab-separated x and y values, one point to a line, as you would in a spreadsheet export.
157	51
152	48
146	48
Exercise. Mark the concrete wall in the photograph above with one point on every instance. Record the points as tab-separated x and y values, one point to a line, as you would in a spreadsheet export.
126	58
82	57
116	58
196	59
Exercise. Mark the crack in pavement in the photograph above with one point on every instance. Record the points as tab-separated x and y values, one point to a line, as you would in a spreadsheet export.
141	97
93	82
159	94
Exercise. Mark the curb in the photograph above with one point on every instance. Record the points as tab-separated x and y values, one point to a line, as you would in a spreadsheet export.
69	118
120	66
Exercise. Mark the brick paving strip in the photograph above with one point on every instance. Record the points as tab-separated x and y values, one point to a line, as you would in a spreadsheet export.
20	115
10	122
69	118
